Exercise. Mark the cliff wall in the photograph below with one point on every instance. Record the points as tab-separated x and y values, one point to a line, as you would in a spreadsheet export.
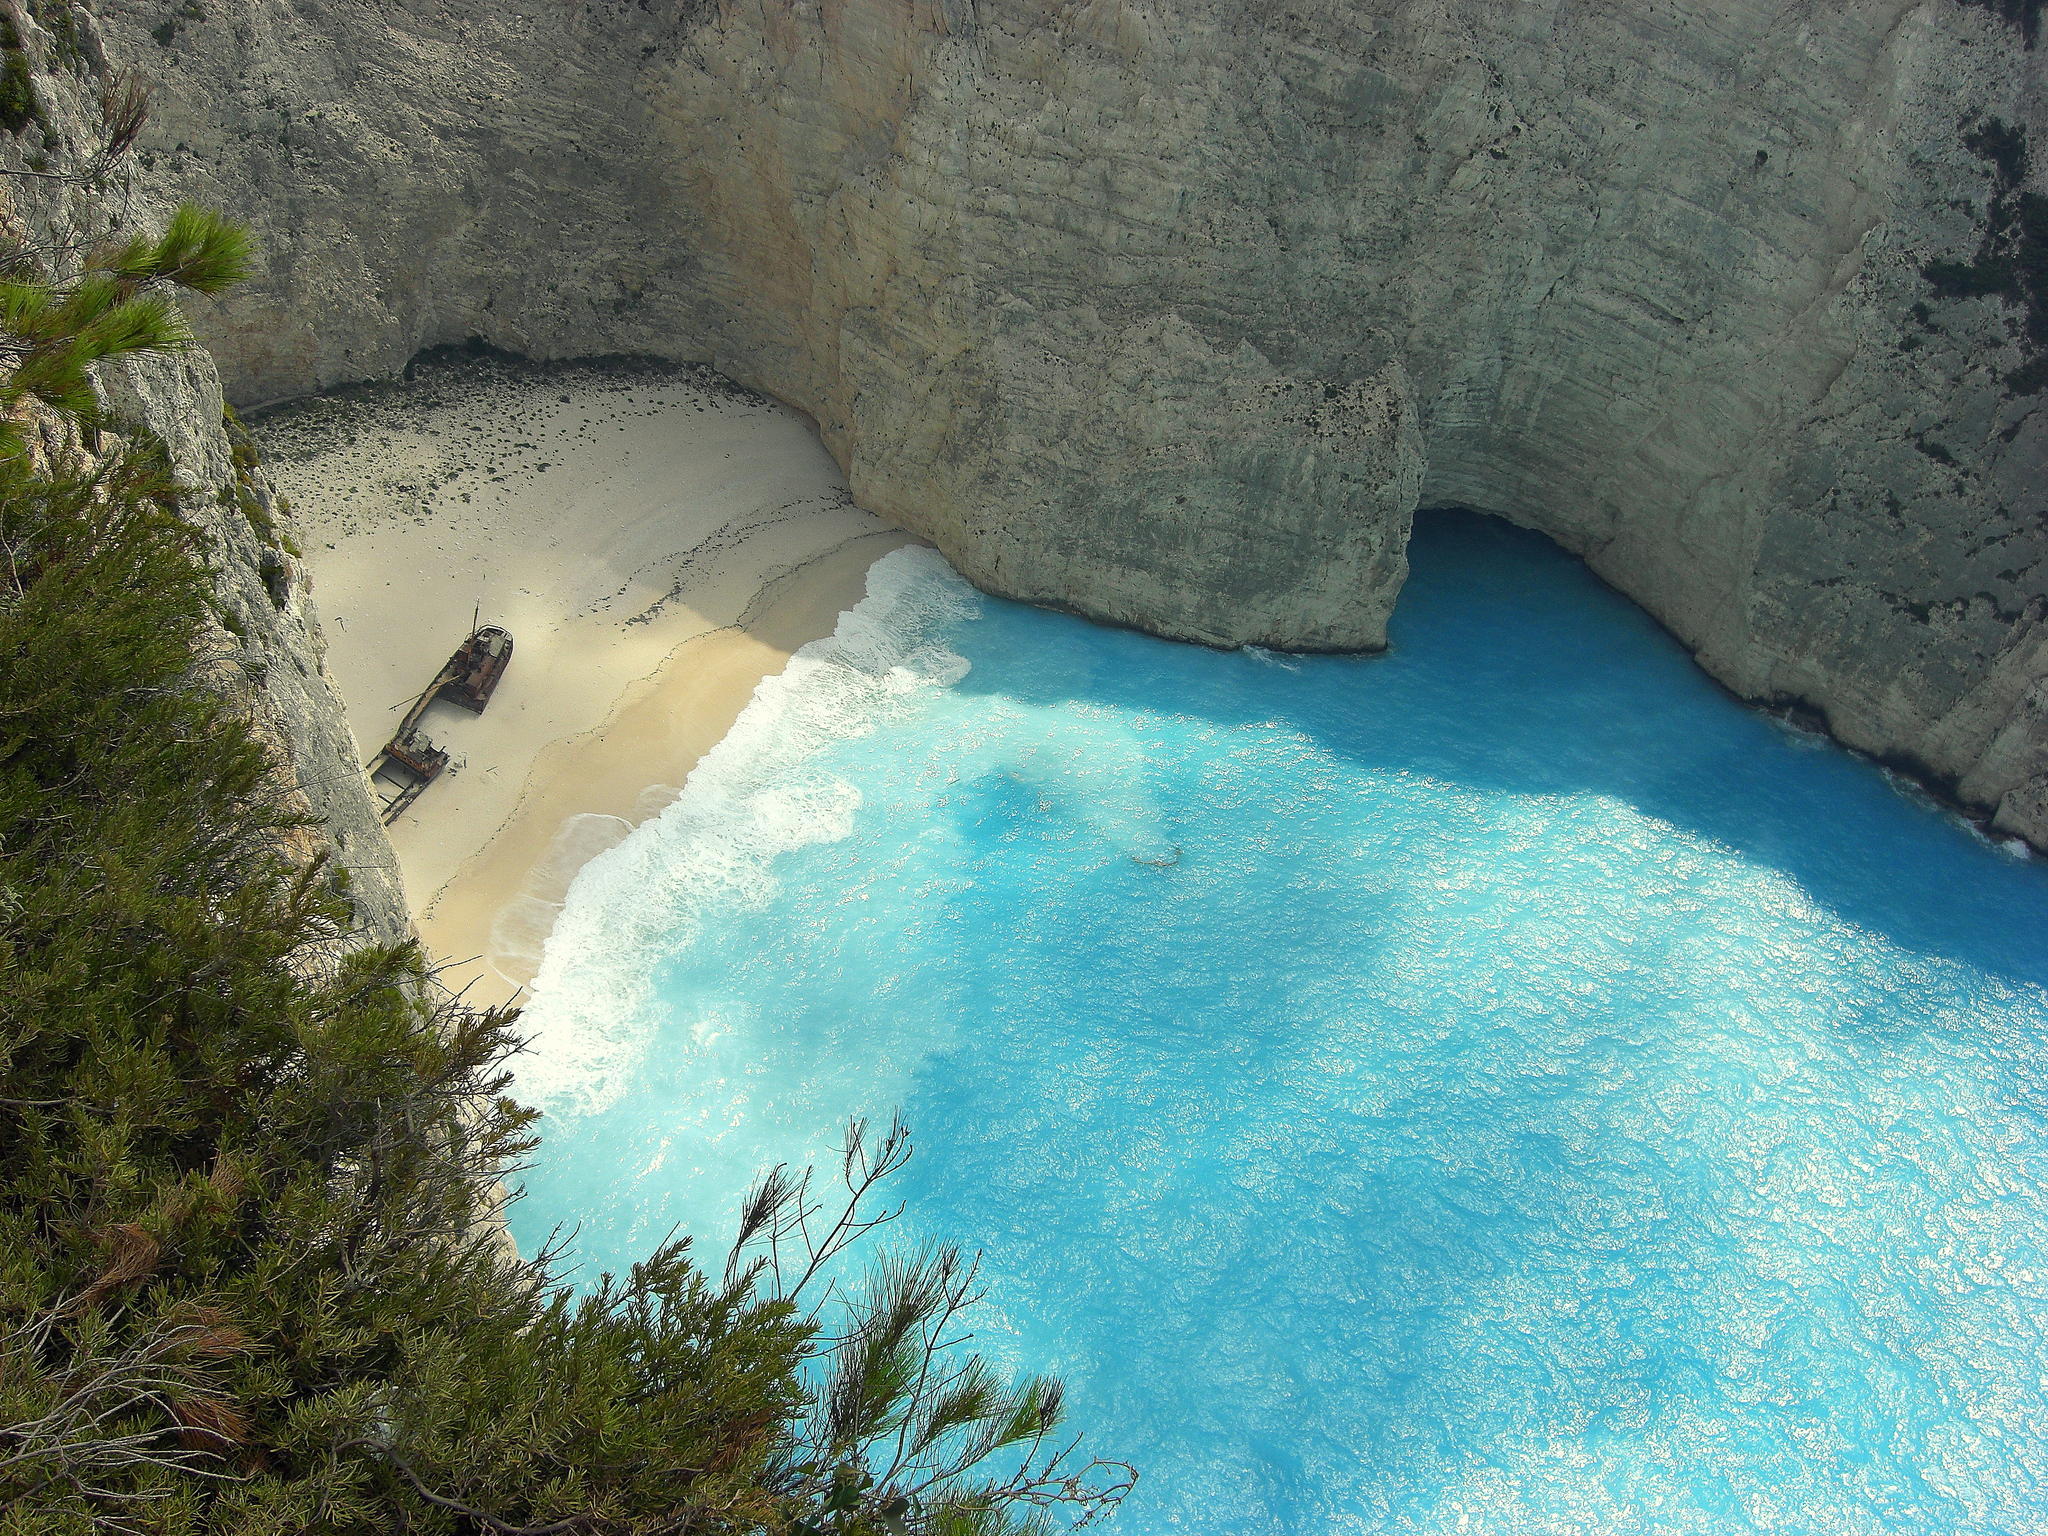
267	641
1172	311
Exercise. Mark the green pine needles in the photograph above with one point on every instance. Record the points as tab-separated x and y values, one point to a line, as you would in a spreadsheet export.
250	1278
198	250
123	303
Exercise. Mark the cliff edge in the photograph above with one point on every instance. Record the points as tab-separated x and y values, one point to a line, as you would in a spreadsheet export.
266	644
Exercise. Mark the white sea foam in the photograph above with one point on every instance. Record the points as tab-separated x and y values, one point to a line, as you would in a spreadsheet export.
751	797
1264	657
520	931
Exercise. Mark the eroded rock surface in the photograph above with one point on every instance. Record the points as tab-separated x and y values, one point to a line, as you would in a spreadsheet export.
267	646
1169	311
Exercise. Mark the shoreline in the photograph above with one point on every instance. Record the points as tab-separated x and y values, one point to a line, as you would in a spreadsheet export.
485	927
658	541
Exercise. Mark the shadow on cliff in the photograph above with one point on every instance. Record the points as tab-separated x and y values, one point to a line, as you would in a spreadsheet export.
1514	670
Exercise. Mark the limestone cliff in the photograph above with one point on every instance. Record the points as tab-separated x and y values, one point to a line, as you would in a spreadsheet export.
268	642
1171	311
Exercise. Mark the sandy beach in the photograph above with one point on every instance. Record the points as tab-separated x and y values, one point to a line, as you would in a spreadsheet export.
657	542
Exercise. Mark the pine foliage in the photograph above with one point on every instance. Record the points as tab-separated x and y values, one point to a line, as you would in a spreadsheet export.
122	304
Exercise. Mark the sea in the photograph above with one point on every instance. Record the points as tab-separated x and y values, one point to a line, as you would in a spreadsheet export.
1501	1086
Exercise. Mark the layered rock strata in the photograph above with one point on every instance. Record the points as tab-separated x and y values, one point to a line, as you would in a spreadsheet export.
1172	311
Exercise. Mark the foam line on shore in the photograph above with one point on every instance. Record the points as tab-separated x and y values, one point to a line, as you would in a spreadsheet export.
657	539
750	798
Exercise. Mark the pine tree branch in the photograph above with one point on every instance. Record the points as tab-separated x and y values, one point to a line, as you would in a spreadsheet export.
489	1521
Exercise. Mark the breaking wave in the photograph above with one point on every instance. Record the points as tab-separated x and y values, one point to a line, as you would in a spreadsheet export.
749	799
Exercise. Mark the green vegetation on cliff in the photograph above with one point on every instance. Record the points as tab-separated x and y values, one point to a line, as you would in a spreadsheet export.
250	1279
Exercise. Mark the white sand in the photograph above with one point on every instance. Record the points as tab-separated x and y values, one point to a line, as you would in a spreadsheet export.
656	542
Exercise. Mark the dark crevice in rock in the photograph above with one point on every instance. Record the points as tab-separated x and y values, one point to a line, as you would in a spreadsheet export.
2023	14
2011	262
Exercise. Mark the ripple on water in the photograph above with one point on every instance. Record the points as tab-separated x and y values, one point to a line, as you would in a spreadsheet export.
1499	1087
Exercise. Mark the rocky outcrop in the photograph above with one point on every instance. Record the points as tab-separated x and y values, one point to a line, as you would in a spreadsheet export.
1170	311
268	645
271	646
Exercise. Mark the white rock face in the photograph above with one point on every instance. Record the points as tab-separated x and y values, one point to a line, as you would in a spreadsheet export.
273	651
1171	311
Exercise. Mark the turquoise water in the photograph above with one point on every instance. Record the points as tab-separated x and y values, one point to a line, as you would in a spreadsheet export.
1500	1087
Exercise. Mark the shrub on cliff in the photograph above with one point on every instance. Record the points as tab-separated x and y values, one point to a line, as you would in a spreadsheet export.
248	1277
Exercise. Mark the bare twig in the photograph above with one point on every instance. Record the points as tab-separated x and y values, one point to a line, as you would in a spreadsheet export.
488	1521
